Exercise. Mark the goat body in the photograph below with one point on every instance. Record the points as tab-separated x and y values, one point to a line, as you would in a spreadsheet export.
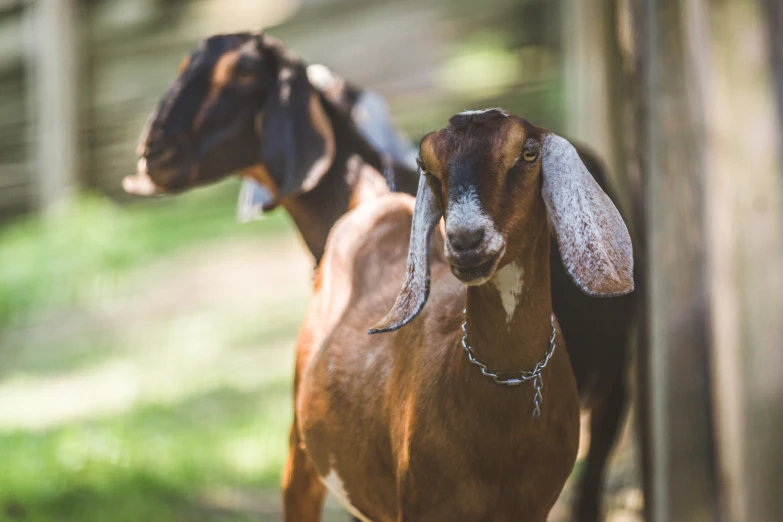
402	426
367	406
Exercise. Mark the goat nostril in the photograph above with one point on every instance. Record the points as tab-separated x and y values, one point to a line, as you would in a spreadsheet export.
465	239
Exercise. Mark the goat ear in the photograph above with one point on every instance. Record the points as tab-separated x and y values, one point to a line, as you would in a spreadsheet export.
416	287
593	240
297	140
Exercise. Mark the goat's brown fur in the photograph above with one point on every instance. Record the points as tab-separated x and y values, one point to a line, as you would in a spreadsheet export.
412	430
365	405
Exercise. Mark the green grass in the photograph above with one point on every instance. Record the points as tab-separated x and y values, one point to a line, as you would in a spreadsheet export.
156	462
60	262
209	407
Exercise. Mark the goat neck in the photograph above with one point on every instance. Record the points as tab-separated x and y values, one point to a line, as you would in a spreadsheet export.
354	176
509	317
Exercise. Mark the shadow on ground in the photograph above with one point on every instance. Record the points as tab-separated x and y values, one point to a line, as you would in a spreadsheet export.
155	462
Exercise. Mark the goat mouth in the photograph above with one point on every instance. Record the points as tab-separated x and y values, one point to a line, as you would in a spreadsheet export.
140	183
477	274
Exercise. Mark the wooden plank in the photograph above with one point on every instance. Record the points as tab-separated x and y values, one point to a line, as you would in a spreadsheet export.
56	114
774	17
715	199
683	468
745	209
632	132
587	73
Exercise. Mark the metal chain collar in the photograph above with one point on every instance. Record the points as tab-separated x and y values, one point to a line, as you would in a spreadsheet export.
518	377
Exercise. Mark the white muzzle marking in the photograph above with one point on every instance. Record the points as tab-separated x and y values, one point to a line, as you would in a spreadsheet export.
140	183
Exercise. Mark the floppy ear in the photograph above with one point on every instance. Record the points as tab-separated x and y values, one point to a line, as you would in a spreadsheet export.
416	287
297	140
593	240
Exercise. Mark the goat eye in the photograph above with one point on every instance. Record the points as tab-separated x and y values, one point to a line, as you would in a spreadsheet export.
530	155
429	176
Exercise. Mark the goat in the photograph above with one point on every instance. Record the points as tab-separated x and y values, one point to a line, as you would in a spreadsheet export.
370	113
243	103
236	82
405	427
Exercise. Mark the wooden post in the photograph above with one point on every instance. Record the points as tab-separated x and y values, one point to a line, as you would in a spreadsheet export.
714	197
745	214
55	74
774	15
587	77
633	44
683	466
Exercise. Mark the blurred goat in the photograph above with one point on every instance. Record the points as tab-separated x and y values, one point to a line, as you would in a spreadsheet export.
243	103
370	114
405	426
225	113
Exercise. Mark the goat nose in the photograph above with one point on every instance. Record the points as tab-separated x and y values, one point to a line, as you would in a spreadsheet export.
464	239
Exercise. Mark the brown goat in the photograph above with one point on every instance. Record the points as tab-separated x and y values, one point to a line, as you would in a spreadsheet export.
404	426
235	83
243	103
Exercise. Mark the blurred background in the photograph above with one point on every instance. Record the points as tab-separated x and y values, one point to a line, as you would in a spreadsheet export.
146	346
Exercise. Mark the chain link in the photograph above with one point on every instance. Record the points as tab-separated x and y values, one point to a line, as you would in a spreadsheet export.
518	377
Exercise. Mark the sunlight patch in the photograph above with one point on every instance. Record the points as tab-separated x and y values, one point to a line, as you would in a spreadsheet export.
36	404
246	455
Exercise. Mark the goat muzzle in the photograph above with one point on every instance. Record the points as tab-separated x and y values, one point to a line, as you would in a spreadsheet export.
475	267
140	183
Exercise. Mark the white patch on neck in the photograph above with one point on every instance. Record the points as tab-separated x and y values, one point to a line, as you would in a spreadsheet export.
508	280
334	484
